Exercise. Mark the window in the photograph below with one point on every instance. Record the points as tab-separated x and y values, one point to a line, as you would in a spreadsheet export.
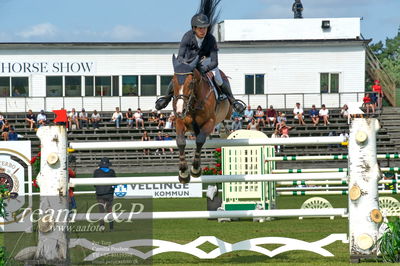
165	80
89	91
103	86
130	85
54	86
19	86
148	85
254	84
4	86
115	86
329	82
73	86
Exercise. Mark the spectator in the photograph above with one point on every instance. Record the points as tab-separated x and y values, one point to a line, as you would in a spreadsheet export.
345	113
238	120
259	116
5	129
271	116
248	114
153	117
170	122
117	117
12	135
73	119
130	118
105	193
139	118
30	119
71	174
168	137
314	115
83	119
161	119
378	89
368	104
297	9
95	120
159	137
146	137
1	120
298	114
284	130
41	119
281	118
236	124
324	114
253	125
276	135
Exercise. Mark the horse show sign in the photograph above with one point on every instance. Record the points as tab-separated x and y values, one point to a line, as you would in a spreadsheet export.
15	169
191	190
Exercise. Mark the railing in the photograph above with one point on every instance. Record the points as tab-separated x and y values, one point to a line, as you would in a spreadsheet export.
108	104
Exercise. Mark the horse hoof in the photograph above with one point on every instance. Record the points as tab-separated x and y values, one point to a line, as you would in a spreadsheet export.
184	177
194	172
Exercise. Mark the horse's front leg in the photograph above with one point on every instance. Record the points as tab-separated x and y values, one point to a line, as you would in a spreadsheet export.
184	176
201	138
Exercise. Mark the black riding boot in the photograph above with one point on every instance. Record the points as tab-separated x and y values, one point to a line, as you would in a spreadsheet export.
238	105
163	101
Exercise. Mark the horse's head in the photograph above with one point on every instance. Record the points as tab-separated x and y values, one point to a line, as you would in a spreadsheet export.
184	82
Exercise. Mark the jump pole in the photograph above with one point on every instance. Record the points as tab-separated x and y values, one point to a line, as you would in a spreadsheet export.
327	170
326	157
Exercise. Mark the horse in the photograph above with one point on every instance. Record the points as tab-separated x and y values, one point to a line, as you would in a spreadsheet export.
196	110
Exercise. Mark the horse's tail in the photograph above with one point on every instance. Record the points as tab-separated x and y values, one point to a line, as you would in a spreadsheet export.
209	8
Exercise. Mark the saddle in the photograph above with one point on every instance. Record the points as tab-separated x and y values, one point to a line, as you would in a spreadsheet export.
219	95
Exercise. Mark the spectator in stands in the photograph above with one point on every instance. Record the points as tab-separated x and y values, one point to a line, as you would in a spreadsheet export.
159	137
73	119
236	124
253	125
145	137
324	114
344	112
281	118
284	130
12	135
153	118
41	119
83	119
314	115
271	116
5	129
71	174
170	121
105	193
117	117
248	114
168	137
259	116
368	104
95	120
298	114
276	135
162	119
129	118
138	115
377	88
297	9
1	120
30	119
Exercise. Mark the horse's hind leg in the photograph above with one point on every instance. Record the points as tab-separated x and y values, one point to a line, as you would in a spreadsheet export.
184	176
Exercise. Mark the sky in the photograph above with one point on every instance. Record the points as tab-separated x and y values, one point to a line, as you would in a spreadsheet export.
167	20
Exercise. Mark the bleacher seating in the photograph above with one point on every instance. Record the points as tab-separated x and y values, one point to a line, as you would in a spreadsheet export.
135	161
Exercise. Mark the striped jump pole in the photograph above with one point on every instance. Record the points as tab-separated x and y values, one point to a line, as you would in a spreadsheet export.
213	143
327	170
328	182
205	179
326	157
339	192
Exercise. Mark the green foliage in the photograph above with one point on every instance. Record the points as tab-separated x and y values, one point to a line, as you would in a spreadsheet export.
389	243
4	193
3	257
216	170
389	55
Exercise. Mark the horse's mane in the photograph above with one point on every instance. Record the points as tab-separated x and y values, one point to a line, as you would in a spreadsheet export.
209	8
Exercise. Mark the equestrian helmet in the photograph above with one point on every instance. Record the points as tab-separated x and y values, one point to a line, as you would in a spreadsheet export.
200	20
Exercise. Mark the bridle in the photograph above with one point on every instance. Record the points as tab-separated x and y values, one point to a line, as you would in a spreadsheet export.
188	100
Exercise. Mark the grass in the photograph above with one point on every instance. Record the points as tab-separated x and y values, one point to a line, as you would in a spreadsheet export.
185	231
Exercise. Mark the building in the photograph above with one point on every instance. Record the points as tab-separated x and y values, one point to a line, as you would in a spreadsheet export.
279	62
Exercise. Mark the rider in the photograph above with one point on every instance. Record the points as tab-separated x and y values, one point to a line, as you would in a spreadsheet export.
200	42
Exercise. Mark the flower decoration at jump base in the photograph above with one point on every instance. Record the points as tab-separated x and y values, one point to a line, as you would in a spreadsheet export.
35	162
216	169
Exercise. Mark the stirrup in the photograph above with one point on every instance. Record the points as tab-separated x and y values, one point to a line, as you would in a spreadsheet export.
238	106
162	102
